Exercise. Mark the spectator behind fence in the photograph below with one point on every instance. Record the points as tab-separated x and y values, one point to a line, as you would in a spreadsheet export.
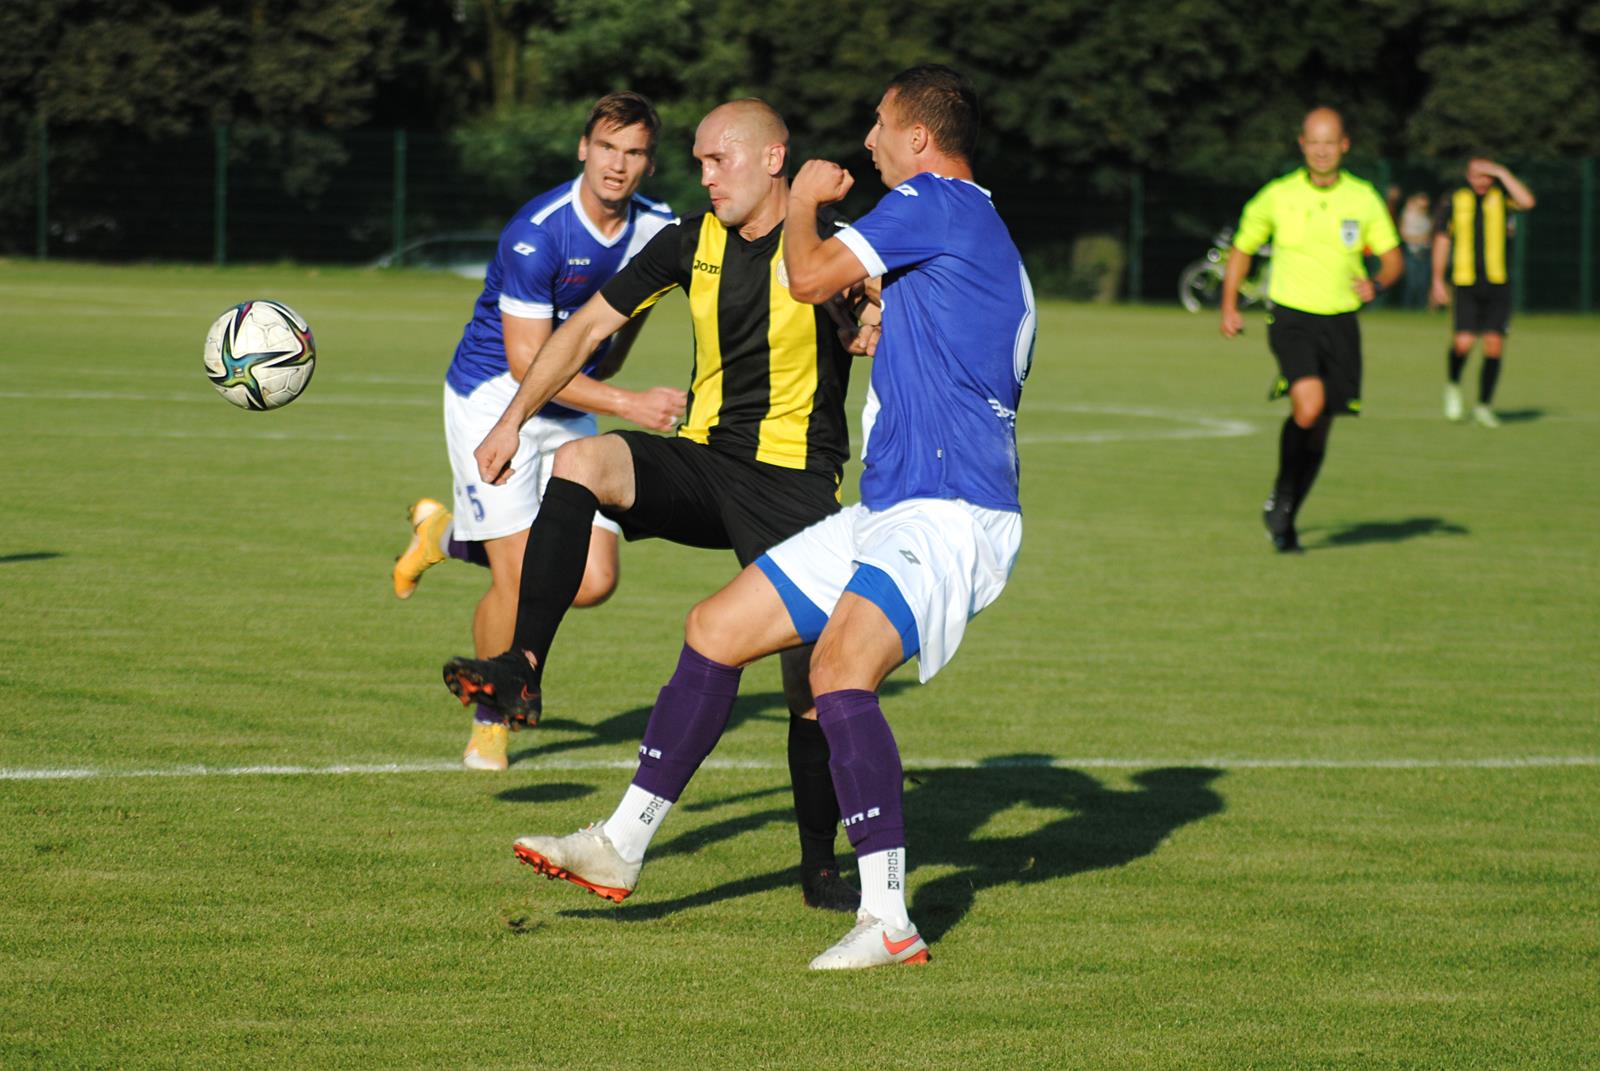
1416	234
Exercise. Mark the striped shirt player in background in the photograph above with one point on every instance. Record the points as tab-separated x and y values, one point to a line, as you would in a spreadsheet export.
556	252
1471	236
932	541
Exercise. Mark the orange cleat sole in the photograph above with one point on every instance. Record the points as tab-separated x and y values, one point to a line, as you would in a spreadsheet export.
551	871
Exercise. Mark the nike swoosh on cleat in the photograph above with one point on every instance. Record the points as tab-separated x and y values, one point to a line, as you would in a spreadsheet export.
897	947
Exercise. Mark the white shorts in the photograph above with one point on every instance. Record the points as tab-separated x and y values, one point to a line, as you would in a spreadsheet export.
945	560
482	510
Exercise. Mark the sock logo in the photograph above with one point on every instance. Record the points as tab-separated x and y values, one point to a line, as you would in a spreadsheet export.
652	810
892	867
649	752
871	812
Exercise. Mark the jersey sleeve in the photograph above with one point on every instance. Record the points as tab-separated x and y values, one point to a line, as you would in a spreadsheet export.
1255	222
530	264
906	227
653	271
1379	234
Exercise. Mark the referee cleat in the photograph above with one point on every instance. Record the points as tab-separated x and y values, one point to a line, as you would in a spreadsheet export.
487	748
586	858
1278	516
1484	417
873	943
428	519
1453	409
504	682
823	888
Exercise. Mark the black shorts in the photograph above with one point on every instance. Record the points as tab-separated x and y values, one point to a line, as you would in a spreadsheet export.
699	496
1484	309
1326	347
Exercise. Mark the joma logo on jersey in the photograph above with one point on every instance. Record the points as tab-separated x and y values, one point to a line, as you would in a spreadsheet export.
872	812
709	269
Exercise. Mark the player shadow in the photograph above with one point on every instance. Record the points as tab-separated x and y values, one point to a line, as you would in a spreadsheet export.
29	556
1092	827
628	726
1388	532
546	792
1520	416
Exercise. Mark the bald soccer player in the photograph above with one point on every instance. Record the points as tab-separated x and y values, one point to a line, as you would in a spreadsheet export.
759	457
1321	220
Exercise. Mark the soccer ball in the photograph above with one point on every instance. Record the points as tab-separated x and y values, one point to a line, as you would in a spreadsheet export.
260	355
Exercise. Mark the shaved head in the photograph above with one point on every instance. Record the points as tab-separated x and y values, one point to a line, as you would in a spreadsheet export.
1323	121
1323	142
750	120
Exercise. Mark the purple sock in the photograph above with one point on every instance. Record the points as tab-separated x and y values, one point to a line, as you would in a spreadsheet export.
688	719
488	715
866	769
467	550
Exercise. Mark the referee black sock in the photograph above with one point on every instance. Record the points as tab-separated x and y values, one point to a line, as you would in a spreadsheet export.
816	805
1458	361
1488	376
552	565
1292	441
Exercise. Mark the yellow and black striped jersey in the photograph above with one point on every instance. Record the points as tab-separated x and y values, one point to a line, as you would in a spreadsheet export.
770	374
1480	229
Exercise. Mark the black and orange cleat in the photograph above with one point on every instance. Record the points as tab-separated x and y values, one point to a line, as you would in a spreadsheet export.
504	682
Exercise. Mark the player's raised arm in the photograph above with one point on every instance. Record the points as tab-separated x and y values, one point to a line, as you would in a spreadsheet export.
557	361
817	269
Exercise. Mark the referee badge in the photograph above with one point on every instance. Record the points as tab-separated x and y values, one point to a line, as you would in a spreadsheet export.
1350	231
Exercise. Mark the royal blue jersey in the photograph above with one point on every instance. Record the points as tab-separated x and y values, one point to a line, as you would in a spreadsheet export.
551	259
957	342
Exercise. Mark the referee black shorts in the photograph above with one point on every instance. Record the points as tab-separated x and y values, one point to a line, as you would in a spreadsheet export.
1327	347
699	496
1483	309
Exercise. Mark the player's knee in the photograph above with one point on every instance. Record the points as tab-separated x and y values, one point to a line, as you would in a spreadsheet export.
598	584
708	632
577	461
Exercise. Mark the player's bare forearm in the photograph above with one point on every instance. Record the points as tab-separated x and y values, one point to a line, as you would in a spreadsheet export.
657	408
817	269
1522	198
561	358
1391	266
621	346
1232	275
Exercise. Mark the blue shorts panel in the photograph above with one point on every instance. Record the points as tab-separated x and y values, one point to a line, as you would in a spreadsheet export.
807	616
875	585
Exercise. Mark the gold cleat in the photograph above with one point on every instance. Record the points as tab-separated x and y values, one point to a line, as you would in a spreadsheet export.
487	748
428	519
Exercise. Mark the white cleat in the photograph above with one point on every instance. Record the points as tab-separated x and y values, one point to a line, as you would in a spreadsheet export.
586	858
1484	417
873	943
1453	409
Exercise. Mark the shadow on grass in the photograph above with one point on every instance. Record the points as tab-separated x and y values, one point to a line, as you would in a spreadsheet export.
1388	532
554	792
1096	828
29	556
1520	416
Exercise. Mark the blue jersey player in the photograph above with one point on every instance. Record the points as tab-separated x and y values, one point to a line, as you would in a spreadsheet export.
900	573
558	251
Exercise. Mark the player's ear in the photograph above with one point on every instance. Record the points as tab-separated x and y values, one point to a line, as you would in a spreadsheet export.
776	155
583	150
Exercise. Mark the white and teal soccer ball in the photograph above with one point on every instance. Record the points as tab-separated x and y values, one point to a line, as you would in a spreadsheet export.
260	355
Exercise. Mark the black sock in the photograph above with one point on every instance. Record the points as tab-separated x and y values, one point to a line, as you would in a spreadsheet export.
1291	459
1488	376
816	805
552	565
1458	361
1309	467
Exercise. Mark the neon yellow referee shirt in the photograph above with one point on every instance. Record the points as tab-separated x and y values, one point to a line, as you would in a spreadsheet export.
1319	235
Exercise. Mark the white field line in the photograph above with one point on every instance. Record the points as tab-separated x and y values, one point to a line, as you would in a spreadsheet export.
1494	762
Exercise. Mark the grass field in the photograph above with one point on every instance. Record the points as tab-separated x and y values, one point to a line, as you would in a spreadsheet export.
1178	803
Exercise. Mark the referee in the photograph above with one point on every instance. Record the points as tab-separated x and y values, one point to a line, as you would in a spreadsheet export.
1470	239
1321	220
759	457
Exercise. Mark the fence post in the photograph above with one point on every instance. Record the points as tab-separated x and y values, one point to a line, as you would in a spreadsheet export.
219	187
1586	195
1136	235
398	226
41	189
